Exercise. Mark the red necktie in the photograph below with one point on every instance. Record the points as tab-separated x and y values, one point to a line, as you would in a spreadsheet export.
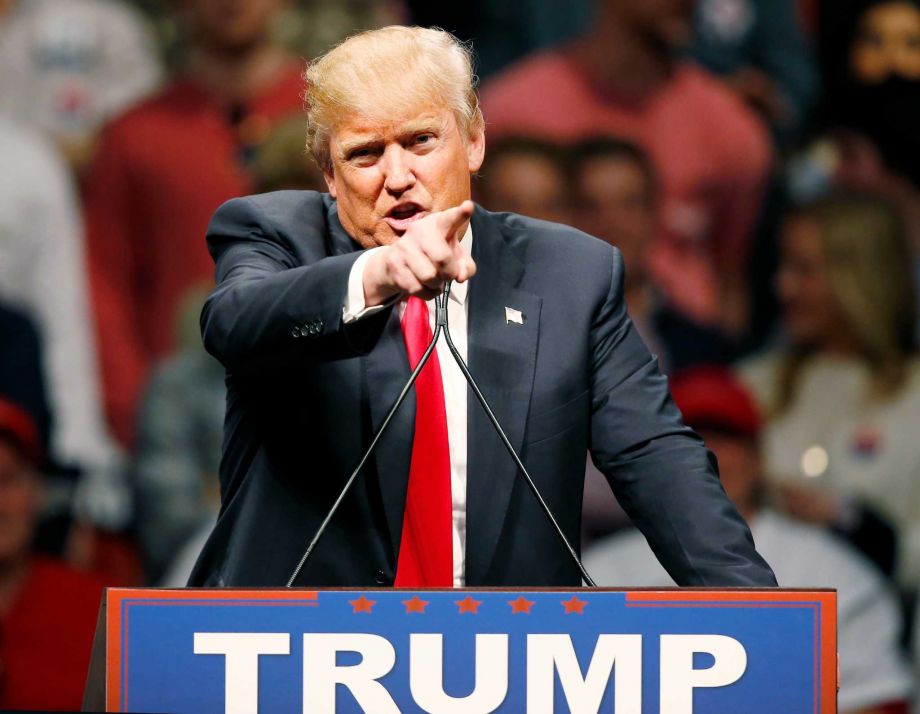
426	546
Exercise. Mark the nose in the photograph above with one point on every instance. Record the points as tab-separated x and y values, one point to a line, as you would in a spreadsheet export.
397	168
784	284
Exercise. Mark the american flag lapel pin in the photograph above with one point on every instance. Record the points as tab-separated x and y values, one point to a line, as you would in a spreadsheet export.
515	316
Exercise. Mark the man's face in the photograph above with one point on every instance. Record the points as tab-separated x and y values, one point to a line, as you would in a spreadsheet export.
19	503
887	43
231	25
667	22
527	183
740	466
617	204
387	174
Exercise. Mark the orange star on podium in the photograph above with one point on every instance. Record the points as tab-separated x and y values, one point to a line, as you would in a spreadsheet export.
416	604
574	605
362	604
521	605
468	604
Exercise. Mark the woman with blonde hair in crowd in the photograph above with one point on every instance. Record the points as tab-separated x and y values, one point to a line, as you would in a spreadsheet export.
843	395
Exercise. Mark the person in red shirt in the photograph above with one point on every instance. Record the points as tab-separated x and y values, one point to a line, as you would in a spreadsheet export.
162	169
625	78
48	611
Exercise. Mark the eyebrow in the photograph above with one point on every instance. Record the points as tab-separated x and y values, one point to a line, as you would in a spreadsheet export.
421	126
359	140
409	128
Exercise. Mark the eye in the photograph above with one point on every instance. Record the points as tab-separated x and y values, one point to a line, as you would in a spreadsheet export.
872	39
424	138
362	154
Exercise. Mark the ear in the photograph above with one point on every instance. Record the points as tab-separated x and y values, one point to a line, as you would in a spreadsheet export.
476	149
330	182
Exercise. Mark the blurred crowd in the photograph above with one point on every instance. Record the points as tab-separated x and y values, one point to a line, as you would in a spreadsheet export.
757	162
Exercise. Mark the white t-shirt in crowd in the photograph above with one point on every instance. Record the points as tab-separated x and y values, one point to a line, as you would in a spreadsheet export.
856	444
68	65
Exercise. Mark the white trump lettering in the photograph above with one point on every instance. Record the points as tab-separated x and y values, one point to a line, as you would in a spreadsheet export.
679	678
546	653
241	651
426	675
321	673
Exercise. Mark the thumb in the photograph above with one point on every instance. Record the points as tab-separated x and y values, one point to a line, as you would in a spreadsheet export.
451	220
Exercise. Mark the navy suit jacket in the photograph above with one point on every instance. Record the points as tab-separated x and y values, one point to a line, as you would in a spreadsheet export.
306	392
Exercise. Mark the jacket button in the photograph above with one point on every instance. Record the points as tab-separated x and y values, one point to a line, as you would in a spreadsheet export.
296	331
304	330
381	578
319	325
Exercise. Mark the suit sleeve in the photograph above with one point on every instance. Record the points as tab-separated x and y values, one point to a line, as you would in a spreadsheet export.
269	309
660	471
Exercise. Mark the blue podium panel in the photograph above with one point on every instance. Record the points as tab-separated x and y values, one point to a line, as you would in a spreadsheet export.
537	651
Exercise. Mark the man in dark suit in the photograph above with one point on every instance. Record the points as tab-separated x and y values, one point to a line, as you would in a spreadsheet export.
310	318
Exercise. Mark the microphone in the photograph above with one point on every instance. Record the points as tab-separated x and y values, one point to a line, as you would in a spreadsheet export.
441	325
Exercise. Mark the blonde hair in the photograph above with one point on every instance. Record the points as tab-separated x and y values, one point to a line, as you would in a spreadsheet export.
378	73
869	269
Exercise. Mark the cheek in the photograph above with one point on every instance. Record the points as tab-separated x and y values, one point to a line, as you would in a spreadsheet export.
868	63
357	189
910	59
816	292
448	181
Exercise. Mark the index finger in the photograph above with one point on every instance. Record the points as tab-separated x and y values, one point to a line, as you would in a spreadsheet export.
451	220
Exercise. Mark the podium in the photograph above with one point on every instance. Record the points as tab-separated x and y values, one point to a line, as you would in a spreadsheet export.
281	651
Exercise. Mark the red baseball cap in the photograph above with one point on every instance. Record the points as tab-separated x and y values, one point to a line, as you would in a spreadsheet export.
711	396
17	425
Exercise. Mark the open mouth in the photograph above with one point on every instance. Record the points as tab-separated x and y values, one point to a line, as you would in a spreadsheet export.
400	216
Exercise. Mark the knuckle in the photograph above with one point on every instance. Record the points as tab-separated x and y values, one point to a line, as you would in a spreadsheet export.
393	258
427	274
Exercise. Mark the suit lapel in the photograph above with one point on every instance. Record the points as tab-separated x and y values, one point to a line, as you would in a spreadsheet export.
502	358
387	370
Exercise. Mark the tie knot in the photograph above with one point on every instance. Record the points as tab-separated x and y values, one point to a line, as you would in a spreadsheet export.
416	329
416	309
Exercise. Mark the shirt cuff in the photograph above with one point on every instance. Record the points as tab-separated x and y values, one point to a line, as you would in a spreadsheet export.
355	308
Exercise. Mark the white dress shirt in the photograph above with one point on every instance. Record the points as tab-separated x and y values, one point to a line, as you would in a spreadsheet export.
455	388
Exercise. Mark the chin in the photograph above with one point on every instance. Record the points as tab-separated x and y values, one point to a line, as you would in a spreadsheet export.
802	336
